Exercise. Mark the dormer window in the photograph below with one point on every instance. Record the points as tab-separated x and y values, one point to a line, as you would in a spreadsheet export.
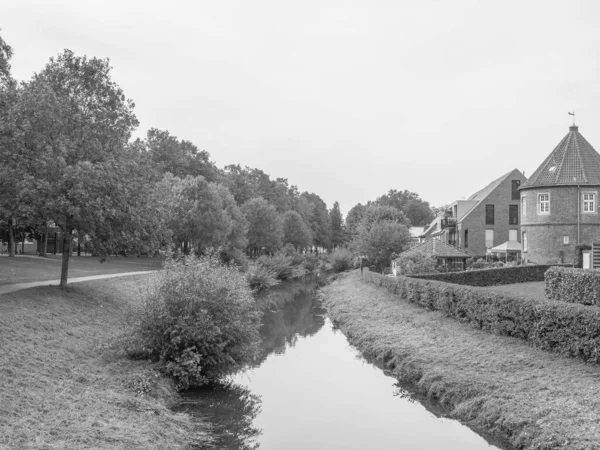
544	203
588	202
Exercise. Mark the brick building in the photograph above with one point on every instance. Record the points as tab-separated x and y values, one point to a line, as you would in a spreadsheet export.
486	219
559	202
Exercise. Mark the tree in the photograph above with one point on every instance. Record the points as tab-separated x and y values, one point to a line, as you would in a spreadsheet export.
295	231
416	210
354	218
374	214
265	230
382	240
5	55
338	235
319	221
181	158
76	123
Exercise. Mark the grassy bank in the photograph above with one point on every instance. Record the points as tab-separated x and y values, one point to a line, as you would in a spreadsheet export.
22	269
500	385
60	388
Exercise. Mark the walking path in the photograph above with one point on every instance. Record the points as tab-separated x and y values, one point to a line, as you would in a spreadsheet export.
8	288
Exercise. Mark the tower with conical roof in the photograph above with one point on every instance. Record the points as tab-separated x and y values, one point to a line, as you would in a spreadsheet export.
559	202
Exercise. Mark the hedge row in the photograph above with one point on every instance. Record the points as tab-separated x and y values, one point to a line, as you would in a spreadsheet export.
490	277
566	328
573	285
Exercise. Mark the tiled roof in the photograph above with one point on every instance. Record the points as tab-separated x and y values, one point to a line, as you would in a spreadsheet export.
438	249
574	161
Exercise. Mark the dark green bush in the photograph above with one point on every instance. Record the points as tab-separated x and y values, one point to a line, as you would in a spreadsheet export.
573	285
341	260
198	320
565	328
260	278
490	277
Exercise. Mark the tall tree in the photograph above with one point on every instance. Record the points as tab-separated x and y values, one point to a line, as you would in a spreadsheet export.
354	218
295	231
319	221
381	241
76	124
265	230
179	157
416	210
338	235
5	55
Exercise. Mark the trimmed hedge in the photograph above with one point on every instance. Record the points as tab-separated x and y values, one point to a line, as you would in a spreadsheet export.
565	328
490	277
573	285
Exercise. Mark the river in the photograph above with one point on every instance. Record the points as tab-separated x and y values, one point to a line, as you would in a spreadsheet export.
311	390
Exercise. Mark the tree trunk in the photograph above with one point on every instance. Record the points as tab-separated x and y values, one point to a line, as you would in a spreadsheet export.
185	247
55	242
45	243
22	244
11	237
66	254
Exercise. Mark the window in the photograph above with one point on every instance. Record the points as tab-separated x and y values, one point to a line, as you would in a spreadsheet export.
489	238
566	239
515	189
513	214
589	202
489	214
466	238
523	206
524	240
512	235
543	203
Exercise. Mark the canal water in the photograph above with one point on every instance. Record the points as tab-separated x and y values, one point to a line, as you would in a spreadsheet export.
310	389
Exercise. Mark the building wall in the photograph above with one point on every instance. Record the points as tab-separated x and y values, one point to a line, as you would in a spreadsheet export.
546	232
474	222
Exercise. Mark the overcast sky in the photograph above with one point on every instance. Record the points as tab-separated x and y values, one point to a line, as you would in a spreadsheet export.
345	99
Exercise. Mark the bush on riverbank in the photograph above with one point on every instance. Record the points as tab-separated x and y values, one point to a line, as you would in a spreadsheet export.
341	260
573	285
198	320
569	329
260	278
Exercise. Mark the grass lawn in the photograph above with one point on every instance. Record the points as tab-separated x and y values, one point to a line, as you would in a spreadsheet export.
23	268
60	388
533	289
497	384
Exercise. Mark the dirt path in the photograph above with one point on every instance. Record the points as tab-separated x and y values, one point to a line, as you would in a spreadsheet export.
7	288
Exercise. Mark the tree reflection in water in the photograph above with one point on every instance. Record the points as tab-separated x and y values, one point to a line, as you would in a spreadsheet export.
290	311
231	410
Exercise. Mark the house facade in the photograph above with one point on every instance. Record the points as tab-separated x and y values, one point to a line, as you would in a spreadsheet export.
559	202
486	219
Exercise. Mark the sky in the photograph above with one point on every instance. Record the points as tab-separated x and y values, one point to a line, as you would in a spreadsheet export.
346	99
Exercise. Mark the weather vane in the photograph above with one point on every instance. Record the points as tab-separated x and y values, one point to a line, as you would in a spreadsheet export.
573	114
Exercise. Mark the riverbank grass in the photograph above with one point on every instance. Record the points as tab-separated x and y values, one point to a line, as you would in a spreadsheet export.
60	387
495	384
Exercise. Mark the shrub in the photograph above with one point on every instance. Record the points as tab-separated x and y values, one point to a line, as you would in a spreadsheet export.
569	329
280	264
260	278
413	263
573	285
234	256
198	320
311	262
341	260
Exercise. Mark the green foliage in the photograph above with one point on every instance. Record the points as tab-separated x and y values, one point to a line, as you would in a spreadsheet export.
295	231
198	320
260	277
338	232
491	276
417	211
572	285
354	218
415	263
284	267
341	260
566	328
319	221
380	240
265	230
5	55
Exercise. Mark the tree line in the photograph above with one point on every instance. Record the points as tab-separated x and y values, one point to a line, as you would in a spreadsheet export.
69	163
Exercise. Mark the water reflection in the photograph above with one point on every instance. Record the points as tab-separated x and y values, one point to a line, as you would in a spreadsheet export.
310	389
231	409
290	312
